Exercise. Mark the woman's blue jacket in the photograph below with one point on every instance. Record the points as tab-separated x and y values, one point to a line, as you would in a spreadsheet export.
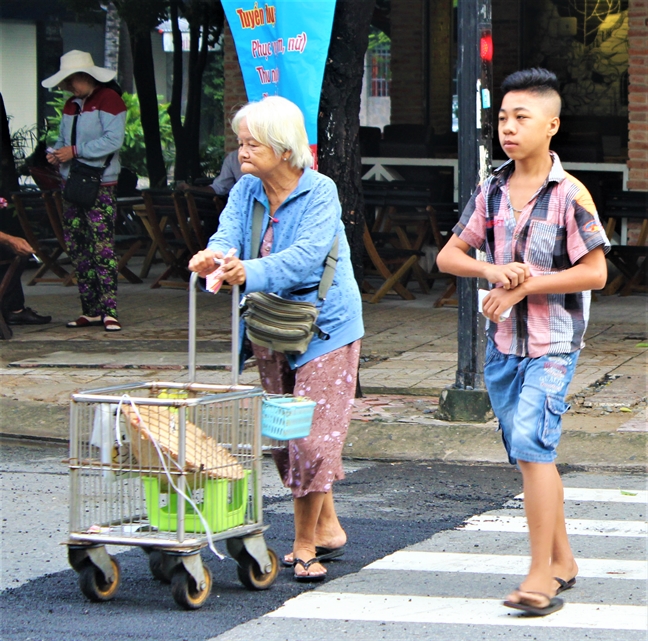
307	224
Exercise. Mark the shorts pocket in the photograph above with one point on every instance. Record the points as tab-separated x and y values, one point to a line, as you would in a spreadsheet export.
550	429
492	353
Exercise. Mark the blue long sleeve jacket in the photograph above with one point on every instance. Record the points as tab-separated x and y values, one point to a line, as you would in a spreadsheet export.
308	221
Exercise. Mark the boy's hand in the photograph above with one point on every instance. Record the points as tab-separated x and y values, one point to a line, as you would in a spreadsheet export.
498	301
509	276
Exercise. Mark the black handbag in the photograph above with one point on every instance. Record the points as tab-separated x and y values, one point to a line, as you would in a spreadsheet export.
282	325
83	182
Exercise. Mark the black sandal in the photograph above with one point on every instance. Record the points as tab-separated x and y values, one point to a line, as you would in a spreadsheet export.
307	578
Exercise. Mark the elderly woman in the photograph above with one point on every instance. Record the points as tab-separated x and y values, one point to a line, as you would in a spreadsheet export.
302	217
92	129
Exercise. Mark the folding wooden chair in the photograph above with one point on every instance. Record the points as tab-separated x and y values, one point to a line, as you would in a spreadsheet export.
14	263
630	260
385	260
204	212
42	228
165	225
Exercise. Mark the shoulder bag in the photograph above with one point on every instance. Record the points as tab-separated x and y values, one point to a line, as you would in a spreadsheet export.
282	325
83	181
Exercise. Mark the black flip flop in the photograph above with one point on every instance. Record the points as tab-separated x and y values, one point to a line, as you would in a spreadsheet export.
554	605
564	585
322	554
327	554
307	578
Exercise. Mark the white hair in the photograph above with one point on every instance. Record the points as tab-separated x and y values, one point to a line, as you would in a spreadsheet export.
278	124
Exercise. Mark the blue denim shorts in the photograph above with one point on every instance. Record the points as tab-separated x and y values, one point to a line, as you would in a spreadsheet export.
528	398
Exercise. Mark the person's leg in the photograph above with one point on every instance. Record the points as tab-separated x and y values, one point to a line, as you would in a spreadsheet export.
330	381
14	297
79	246
103	269
308	509
563	563
329	533
542	507
534	438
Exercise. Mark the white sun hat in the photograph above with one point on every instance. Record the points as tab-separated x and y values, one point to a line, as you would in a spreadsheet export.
74	62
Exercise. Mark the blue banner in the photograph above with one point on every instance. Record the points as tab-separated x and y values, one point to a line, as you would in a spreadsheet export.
282	49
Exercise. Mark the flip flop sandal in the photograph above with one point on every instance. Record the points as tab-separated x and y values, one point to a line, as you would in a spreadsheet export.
564	585
322	553
553	605
83	321
307	578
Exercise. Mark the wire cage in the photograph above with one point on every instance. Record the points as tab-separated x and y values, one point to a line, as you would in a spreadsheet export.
136	450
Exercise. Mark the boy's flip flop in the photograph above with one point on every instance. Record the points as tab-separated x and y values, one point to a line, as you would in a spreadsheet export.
564	585
553	605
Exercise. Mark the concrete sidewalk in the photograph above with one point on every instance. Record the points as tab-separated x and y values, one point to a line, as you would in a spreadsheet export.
409	356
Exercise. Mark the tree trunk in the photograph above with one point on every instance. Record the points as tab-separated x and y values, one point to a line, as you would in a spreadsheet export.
144	73
111	38
175	107
194	95
339	121
8	173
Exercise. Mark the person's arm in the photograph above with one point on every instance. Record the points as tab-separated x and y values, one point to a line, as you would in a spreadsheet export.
590	272
16	244
454	259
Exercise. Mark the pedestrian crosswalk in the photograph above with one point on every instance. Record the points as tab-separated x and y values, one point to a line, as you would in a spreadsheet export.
451	586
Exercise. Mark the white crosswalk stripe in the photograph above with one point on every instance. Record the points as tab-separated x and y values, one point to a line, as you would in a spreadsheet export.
612	496
417	609
406	561
492	523
435	582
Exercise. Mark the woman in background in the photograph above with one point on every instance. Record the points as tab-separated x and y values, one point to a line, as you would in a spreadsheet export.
100	116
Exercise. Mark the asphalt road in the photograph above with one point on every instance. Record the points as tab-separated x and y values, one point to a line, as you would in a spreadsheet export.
383	506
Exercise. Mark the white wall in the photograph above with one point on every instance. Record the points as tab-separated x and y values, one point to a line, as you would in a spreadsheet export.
18	79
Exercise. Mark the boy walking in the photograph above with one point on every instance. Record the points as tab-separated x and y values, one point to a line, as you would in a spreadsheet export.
545	251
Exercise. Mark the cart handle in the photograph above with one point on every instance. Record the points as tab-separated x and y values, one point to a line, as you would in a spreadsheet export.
193	287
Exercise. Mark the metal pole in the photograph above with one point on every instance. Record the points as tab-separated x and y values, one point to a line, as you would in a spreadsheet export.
467	398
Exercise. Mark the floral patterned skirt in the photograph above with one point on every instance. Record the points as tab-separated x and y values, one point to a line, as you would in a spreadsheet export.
311	464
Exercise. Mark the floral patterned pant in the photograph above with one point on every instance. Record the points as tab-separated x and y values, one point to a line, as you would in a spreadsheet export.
90	238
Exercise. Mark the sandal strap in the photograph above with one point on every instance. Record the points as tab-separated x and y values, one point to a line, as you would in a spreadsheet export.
305	564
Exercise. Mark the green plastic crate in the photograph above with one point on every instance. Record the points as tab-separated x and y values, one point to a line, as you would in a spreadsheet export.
223	506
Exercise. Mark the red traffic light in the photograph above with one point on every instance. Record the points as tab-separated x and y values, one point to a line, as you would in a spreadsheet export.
486	47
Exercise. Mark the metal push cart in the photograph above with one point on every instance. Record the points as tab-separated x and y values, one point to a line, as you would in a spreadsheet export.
170	468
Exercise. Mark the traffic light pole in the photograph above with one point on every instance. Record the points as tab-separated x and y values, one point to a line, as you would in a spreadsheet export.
467	399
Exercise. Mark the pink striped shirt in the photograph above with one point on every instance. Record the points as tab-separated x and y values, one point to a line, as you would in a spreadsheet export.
556	228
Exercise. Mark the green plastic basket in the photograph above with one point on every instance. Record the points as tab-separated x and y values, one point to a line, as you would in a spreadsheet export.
286	417
223	506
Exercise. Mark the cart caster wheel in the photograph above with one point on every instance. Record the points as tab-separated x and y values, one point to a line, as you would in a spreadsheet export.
157	565
250	574
93	583
184	590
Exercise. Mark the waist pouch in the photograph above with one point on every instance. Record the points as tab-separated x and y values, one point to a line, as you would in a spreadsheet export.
82	184
281	325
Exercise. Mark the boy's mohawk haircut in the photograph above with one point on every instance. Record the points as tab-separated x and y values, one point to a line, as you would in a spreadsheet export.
537	80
